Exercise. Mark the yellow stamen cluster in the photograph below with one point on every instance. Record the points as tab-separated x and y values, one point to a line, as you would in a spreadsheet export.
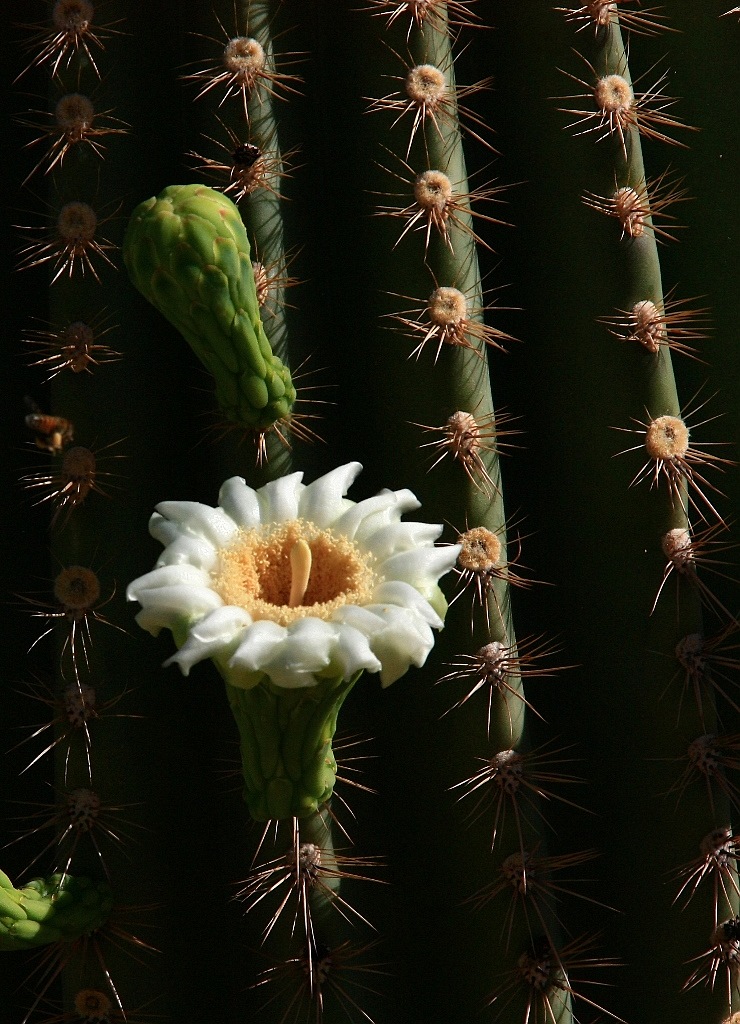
294	571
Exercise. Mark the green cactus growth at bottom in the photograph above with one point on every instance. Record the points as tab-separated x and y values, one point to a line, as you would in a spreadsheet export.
61	908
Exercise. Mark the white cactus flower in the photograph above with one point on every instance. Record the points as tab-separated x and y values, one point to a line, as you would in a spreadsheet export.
296	582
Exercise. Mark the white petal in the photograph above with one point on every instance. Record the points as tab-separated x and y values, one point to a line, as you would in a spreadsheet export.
372	513
258	645
163	530
307	646
360	618
240	503
353	653
167	607
395	537
167	576
388	635
195	551
211	637
200	520
421	567
279	498
404	642
405	596
322	500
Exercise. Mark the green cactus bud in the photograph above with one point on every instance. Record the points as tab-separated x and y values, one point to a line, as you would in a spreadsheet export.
187	252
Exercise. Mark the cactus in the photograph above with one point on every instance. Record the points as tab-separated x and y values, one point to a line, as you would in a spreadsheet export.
544	798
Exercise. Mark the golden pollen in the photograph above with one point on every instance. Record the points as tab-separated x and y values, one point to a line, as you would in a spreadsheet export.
426	85
244	57
292	571
667	437
481	549
76	588
72	15
76	223
74	113
432	190
613	94
447	307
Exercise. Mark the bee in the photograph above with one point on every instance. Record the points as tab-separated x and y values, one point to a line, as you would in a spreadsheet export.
52	433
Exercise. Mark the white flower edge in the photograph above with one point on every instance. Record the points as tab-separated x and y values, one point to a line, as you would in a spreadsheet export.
387	635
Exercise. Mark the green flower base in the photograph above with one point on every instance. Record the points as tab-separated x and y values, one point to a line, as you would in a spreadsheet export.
288	764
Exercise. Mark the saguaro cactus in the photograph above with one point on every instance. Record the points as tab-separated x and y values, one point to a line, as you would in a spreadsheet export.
253	246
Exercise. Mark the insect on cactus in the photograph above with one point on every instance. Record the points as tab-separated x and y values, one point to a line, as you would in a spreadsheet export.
547	810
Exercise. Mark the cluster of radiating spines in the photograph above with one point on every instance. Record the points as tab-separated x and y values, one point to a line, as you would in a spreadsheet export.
437	15
598	15
70	240
319	983
428	109
613	108
707	666
655	324
294	891
74	605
